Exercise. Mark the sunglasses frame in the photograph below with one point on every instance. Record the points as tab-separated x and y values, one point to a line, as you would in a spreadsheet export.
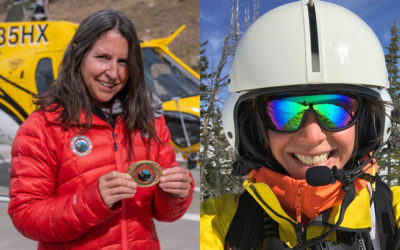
269	124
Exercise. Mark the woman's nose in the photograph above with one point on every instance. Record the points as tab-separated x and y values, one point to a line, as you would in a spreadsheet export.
311	133
112	71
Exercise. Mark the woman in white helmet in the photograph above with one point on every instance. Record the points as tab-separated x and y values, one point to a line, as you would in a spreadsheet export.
307	113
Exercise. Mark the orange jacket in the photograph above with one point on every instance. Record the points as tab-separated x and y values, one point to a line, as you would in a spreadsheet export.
54	195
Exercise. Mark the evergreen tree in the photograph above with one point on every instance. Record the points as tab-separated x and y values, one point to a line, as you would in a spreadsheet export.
390	161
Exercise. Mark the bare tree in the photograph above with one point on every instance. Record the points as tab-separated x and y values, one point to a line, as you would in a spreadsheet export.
216	156
256	7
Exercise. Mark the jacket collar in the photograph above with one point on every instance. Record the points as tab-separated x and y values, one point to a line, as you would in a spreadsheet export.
298	198
156	106
357	216
51	117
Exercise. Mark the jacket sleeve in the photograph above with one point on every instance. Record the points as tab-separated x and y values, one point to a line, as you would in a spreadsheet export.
165	207
37	211
216	215
396	204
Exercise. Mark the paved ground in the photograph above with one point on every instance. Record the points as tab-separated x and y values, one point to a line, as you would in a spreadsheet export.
182	234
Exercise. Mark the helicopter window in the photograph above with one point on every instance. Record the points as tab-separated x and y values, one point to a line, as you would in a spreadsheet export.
44	74
166	78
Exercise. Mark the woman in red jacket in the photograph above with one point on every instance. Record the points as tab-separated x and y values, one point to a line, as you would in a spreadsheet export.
69	187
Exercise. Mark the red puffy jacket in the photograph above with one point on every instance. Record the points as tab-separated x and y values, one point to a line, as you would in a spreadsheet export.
54	195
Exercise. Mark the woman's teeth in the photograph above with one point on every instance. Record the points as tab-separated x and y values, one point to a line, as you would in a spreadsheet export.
108	85
312	160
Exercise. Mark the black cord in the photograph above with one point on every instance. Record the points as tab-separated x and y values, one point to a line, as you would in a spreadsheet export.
348	198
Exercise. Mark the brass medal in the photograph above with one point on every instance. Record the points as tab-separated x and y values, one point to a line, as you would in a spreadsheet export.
145	173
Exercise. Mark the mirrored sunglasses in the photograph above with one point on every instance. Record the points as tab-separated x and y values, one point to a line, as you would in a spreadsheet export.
334	112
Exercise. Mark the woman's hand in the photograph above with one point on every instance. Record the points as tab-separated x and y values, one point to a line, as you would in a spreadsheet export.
116	186
176	181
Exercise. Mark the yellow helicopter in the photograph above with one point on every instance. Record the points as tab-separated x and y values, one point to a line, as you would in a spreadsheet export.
30	55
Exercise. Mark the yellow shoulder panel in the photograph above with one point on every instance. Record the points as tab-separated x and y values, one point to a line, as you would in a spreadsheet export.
268	201
216	215
396	204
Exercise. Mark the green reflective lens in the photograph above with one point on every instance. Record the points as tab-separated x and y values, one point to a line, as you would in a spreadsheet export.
334	112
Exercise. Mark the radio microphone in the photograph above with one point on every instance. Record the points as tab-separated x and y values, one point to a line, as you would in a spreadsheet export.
322	175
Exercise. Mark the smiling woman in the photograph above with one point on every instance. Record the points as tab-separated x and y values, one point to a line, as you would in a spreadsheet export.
104	68
306	121
69	188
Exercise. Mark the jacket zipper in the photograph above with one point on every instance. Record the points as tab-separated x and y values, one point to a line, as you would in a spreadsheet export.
297	203
124	237
114	139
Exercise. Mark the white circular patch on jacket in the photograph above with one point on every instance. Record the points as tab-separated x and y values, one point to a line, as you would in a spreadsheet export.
81	145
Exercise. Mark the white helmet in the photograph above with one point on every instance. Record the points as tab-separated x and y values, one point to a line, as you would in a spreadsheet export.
306	45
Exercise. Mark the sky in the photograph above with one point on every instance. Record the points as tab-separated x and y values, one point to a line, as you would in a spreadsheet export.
215	18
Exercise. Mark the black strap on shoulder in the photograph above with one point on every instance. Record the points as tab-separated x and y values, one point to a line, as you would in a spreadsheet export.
252	228
347	199
385	221
249	227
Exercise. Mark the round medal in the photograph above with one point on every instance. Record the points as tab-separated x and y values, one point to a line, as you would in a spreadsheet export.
81	145
145	173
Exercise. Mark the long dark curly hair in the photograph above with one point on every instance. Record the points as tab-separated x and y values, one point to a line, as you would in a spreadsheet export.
69	92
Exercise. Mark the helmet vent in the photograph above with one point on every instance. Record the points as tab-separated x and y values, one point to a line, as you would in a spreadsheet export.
313	37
